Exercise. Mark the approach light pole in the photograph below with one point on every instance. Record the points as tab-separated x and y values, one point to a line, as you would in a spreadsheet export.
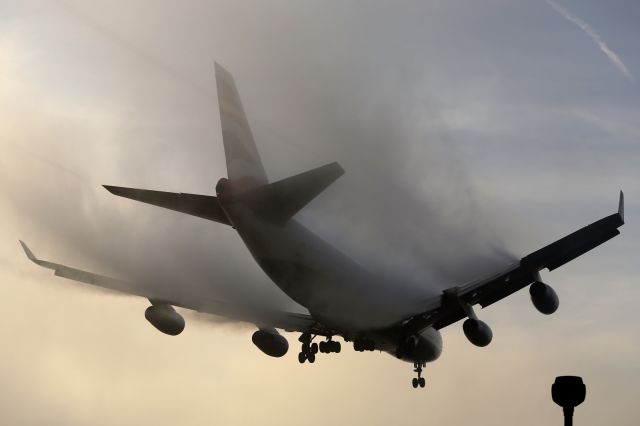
568	392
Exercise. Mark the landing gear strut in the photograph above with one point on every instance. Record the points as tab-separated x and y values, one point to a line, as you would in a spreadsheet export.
418	381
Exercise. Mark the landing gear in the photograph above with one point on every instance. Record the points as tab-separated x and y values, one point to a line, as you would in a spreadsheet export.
330	346
362	345
418	381
309	350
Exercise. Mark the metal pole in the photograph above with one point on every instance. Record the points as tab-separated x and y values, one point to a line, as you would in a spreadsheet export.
568	416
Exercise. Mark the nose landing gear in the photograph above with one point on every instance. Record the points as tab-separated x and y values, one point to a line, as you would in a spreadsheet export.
418	381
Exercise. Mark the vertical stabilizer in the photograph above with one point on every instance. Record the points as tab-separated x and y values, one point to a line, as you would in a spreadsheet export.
243	160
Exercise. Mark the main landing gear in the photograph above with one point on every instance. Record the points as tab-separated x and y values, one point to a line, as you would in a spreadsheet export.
310	349
330	347
361	345
418	381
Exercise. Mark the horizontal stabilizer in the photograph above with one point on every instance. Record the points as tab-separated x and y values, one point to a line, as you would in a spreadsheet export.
279	201
204	206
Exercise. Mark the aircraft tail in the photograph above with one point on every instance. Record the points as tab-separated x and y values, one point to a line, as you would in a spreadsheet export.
244	166
279	201
247	183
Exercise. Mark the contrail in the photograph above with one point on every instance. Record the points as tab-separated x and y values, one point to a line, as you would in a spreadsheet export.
613	57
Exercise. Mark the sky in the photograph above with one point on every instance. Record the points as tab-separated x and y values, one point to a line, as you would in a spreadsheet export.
472	133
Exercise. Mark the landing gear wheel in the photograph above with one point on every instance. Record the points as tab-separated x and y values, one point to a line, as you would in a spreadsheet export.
323	347
338	347
418	381
302	357
314	348
311	357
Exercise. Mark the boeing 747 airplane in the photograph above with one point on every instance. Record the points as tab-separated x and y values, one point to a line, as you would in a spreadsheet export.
343	298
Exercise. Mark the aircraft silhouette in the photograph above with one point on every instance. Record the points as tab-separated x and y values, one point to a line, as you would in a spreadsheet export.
343	298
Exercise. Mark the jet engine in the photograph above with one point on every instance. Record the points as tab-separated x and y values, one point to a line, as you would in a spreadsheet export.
478	332
270	342
544	298
165	318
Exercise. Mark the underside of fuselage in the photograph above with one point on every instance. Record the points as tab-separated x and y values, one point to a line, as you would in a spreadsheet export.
336	290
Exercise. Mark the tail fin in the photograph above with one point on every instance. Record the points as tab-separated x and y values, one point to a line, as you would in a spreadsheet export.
243	160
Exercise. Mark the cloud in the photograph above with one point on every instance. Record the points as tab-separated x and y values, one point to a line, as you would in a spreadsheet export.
613	56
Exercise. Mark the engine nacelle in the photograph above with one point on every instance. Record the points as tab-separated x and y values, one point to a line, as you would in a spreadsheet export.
165	319
270	342
478	332
544	298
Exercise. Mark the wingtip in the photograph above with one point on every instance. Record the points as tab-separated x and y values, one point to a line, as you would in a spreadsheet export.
111	189
28	251
621	206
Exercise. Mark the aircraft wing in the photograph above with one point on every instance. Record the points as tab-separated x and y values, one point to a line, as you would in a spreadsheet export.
288	321
449	307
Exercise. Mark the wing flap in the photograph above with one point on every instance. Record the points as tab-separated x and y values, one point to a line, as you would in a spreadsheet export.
203	206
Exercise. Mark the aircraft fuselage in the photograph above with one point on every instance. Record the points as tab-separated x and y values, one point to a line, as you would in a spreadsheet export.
336	290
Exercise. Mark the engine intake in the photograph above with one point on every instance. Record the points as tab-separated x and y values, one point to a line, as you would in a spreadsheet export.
478	332
544	298
270	342
165	318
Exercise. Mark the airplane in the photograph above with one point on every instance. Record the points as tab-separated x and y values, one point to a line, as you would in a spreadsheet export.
342	297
